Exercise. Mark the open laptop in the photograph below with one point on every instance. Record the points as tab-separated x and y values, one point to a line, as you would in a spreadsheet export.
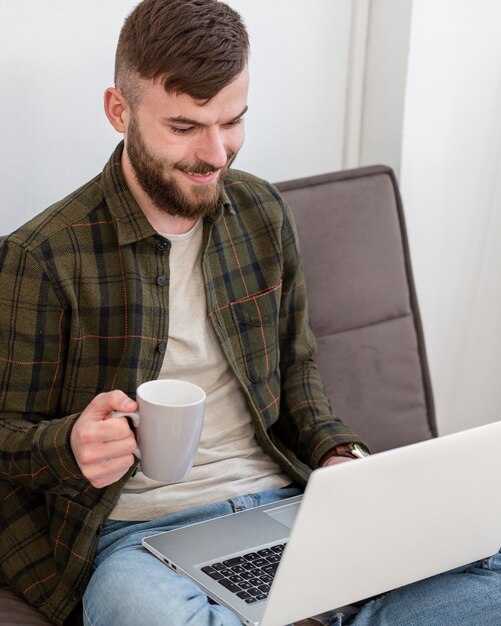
361	528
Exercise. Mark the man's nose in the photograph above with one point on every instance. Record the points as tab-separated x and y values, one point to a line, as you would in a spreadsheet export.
211	149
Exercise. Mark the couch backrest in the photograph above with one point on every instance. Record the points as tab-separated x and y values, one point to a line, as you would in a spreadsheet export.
363	305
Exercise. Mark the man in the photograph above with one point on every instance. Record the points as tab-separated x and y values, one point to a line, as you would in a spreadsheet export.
166	265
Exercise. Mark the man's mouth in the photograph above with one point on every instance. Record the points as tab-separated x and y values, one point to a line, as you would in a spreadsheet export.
201	178
206	173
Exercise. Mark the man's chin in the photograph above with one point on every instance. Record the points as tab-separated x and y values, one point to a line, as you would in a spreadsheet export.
199	190
190	200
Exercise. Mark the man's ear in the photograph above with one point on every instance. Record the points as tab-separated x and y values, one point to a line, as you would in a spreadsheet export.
116	108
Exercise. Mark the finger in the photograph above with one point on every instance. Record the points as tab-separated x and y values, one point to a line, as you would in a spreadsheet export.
103	474
112	429
105	403
92	434
104	452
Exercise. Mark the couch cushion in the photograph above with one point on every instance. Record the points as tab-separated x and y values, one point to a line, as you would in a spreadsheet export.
362	302
15	611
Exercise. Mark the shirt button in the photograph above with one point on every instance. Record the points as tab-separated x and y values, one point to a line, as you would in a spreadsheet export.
73	595
161	280
162	347
162	246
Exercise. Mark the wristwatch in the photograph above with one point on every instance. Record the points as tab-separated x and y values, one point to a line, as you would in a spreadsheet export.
352	450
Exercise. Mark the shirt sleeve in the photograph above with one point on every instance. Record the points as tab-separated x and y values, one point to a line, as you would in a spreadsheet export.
35	452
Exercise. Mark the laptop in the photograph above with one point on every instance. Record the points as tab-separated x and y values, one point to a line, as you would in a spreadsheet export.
359	530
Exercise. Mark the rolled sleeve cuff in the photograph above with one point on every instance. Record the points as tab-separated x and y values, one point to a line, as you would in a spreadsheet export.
55	449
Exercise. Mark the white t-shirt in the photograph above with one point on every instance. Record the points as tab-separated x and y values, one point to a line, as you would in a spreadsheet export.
229	461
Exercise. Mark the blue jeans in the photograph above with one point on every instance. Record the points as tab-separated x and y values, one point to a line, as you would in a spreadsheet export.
131	587
466	596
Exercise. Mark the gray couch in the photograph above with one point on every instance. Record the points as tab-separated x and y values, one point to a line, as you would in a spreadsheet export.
363	311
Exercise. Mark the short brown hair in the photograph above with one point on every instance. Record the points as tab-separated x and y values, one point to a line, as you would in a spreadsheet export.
195	47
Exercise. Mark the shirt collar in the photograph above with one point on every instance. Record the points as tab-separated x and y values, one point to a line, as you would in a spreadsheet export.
130	220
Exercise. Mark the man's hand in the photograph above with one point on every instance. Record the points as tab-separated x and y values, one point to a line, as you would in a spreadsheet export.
103	447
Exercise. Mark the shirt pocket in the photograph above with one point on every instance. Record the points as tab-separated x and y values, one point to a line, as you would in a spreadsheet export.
256	321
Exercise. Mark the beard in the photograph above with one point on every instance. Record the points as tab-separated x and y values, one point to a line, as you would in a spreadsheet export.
165	192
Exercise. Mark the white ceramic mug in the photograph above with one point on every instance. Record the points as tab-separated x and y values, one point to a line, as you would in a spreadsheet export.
168	426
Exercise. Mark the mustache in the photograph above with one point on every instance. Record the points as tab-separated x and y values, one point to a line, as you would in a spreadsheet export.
202	167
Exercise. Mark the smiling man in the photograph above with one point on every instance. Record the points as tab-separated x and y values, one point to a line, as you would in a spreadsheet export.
168	264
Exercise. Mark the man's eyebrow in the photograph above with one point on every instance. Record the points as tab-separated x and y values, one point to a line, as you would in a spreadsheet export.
180	119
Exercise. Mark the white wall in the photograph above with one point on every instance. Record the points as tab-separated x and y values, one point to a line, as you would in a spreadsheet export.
299	68
56	59
451	183
308	59
385	73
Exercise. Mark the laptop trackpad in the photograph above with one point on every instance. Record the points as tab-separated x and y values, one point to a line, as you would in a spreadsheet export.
284	514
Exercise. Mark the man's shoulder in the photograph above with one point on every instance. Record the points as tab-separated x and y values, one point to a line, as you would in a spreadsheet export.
59	217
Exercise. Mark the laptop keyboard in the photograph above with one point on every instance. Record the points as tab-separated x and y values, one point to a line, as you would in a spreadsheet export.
248	576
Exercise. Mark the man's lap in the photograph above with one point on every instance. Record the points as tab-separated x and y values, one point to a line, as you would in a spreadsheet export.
130	586
465	596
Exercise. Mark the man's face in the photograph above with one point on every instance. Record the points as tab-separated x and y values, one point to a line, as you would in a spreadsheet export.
179	148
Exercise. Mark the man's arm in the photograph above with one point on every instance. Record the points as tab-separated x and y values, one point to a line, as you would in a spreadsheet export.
39	449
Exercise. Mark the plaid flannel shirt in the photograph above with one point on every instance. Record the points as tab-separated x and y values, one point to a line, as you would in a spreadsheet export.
84	309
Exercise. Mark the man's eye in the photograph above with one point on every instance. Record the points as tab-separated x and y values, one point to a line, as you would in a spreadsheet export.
234	123
181	131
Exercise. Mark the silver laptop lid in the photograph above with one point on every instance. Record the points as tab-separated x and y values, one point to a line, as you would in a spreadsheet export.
369	526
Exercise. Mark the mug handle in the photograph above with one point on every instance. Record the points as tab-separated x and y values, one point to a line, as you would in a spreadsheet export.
134	417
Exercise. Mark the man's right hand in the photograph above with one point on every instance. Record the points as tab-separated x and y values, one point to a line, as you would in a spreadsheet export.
103	447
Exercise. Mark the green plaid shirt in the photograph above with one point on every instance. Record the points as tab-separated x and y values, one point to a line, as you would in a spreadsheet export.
84	308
